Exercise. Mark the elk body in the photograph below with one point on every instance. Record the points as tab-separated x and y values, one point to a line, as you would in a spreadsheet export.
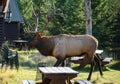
64	46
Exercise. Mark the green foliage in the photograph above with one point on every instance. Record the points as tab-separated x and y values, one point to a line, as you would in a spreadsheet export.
72	22
105	17
104	12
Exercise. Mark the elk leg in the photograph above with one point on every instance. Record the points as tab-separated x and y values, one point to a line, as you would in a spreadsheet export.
85	61
98	61
59	61
100	68
91	70
63	63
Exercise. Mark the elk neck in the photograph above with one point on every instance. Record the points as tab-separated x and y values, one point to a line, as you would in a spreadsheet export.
46	45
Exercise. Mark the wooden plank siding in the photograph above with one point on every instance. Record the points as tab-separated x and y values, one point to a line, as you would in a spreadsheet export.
11	31
1	30
11	27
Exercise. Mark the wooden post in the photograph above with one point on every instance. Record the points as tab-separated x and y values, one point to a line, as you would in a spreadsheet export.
88	17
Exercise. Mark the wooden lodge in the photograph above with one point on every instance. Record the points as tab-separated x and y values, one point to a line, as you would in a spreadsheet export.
10	20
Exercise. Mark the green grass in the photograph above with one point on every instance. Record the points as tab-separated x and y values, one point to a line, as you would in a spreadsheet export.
28	70
15	77
111	74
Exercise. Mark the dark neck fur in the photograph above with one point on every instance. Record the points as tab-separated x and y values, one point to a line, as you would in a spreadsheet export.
46	46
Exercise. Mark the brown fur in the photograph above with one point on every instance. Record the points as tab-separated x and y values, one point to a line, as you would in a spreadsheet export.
64	45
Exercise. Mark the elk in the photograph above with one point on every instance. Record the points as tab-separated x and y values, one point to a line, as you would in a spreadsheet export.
64	46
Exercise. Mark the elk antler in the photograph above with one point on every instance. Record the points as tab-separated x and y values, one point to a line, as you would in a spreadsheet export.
28	31
37	15
48	17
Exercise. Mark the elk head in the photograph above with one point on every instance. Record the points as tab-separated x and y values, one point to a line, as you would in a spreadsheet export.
36	36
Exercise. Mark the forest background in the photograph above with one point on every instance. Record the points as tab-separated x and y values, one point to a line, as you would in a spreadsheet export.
105	19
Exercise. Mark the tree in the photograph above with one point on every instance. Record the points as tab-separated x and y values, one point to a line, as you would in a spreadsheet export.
73	19
103	18
88	17
104	12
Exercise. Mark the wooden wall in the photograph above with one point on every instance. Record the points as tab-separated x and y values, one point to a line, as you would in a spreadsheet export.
11	31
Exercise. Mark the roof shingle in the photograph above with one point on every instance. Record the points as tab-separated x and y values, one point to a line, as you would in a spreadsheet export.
16	15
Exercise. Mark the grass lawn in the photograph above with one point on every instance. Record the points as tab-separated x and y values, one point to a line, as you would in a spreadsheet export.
28	69
111	74
15	77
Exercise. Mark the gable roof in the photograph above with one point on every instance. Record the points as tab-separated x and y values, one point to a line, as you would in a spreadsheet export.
16	15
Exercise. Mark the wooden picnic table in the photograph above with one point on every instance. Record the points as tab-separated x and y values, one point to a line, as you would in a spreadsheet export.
106	60
78	59
57	75
20	43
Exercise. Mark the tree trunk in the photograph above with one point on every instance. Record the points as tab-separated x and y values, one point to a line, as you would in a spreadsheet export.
88	17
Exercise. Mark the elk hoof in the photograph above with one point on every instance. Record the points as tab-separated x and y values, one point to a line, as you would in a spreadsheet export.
88	79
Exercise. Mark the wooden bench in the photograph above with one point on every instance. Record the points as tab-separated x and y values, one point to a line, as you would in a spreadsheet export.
77	60
28	82
107	60
99	52
82	82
